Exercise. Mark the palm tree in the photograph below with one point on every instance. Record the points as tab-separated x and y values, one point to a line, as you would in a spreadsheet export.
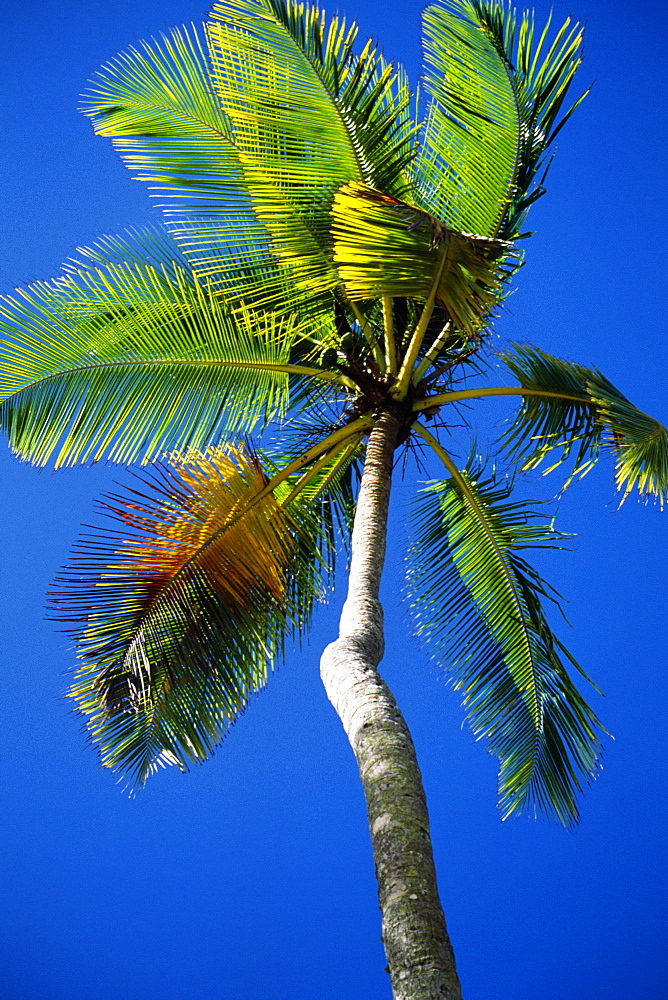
333	258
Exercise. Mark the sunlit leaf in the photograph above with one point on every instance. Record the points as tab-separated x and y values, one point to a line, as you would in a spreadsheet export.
469	150
129	361
385	247
497	86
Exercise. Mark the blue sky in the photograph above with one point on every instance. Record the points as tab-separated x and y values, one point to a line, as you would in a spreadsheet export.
252	876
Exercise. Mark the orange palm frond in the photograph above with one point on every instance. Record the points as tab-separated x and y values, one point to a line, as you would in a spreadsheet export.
179	611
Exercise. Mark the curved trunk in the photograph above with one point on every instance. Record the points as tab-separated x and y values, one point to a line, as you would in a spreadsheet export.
420	959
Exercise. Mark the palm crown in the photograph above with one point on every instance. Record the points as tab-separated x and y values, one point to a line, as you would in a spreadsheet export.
334	252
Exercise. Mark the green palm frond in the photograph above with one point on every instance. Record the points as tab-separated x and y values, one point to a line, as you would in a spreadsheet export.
541	72
577	409
469	149
130	361
162	89
477	606
383	246
292	82
307	115
158	105
285	124
498	87
183	606
245	142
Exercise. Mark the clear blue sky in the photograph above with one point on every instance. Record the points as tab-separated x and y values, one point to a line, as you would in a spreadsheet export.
252	877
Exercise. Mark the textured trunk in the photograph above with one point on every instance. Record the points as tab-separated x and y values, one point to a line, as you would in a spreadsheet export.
420	959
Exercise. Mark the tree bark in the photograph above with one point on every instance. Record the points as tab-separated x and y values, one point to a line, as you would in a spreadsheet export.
419	954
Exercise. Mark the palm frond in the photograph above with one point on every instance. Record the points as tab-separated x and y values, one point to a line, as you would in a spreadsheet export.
577	409
183	606
371	95
285	123
158	106
291	81
130	361
383	246
161	89
140	245
469	149
498	87
477	606
204	129
307	115
541	72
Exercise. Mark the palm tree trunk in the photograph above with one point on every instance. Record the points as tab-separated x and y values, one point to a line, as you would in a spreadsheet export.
419	954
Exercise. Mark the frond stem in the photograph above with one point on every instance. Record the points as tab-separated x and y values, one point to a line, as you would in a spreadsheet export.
454	397
406	371
390	342
432	353
436	446
342	380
